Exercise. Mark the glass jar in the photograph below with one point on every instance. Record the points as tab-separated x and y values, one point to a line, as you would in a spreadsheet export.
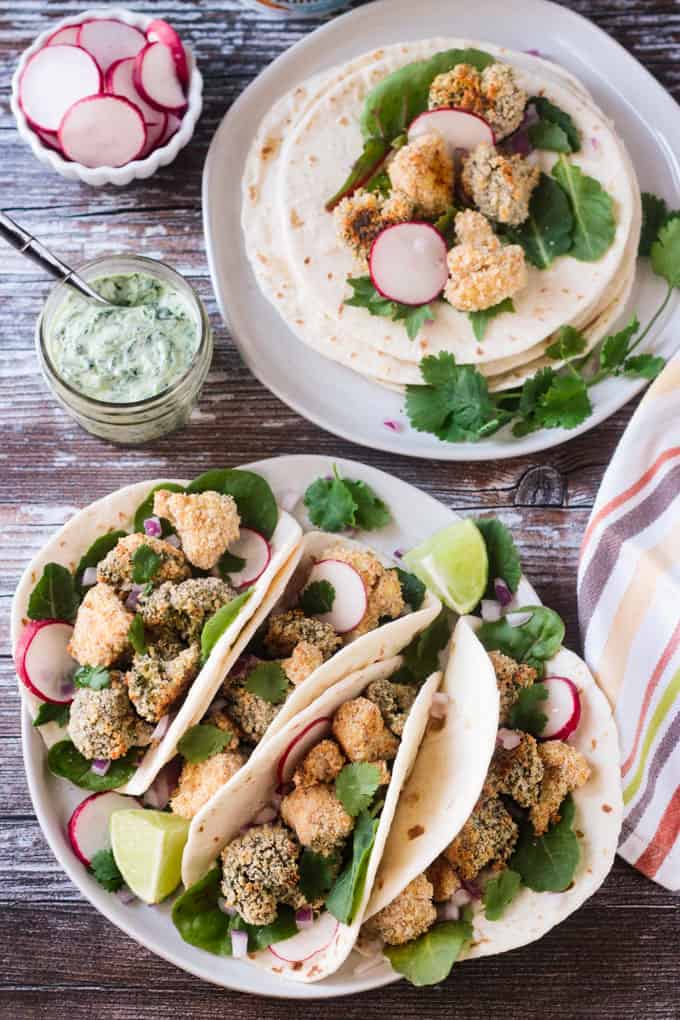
142	420
296	8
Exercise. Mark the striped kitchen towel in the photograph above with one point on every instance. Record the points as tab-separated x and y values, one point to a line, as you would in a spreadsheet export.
629	611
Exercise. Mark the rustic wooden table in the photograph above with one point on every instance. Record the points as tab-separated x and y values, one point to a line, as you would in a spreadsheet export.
618	956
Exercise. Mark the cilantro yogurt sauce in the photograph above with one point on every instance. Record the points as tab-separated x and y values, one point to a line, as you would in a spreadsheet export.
126	354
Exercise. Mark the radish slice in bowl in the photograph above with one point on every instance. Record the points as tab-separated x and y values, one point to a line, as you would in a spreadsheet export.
119	81
49	138
172	126
256	551
350	602
460	129
408	263
308	942
103	131
67	36
109	40
159	31
298	747
43	662
88	826
562	707
157	81
53	80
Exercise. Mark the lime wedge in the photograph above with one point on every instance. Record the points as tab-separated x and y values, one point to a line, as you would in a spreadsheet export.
147	846
453	564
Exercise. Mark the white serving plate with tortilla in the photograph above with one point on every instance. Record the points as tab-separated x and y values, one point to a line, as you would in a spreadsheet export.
334	397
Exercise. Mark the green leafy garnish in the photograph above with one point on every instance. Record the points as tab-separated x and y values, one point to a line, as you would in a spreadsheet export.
136	635
217	624
380	183
592	208
96	553
552	115
229	564
355	786
547	232
251	492
454	403
268	681
202	742
480	320
501	551
145	564
104	869
145	509
499	892
49	712
644	366
446	225
532	642
55	596
654	215
65	760
412	589
615	348
421	656
365	168
544	134
366	296
428	959
336	503
345	896
370	513
550	400
548	863
570	342
317	598
316	874
527	714
94	677
665	253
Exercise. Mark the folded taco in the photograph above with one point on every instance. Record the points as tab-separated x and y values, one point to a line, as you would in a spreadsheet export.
123	623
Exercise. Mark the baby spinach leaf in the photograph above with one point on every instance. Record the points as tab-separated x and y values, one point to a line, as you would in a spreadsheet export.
145	564
95	554
501	551
365	169
380	183
55	596
230	564
455	403
666	253
345	896
318	597
136	635
104	869
94	677
480	320
49	712
316	874
499	892
269	682
533	642
545	134
202	742
551	114
215	626
592	208
654	215
198	918
421	656
251	492
412	589
428	959
527	714
355	786
262	935
570	342
548	863
145	509
547	232
66	761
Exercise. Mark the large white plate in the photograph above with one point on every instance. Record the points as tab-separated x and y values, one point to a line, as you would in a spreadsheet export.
332	396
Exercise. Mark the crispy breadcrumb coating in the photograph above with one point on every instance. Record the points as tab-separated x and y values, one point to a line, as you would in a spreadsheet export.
504	99
116	569
259	871
511	677
517	772
487	838
253	714
206	522
565	770
360	217
200	780
103	724
423	171
360	730
482	274
185	607
306	658
409	915
500	186
155	684
461	87
322	764
286	630
444	880
394	702
318	818
384	599
100	633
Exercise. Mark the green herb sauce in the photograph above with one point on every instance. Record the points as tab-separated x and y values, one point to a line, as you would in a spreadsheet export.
125	354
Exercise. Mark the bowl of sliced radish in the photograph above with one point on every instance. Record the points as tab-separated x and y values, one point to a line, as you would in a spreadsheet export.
107	96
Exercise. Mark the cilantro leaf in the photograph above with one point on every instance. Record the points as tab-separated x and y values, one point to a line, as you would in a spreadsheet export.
644	366
428	959
94	677
533	642
480	320
412	589
316	874
268	681
455	404
547	231
614	350
566	403
345	896
366	296
219	622
592	208
526	714
548	863
104	869
547	111
202	742
318	597
66	761
330	504
666	253
499	892
145	564
504	561
531	394
654	215
421	656
49	712
55	596
545	134
569	343
355	786
371	512
136	635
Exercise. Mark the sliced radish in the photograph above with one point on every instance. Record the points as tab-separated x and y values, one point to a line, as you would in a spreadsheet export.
256	551
307	942
157	80
103	131
171	128
562	707
154	134
67	36
49	138
459	128
350	602
88	826
53	80
119	81
43	662
159	31
109	40
296	750
408	263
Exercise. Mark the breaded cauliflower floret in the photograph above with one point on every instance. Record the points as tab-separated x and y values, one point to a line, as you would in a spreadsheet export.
394	702
100	634
285	630
200	780
154	685
384	599
444	880
117	568
460	87
511	677
565	770
306	658
322	764
517	772
504	99
360	217
317	816
482	271
206	522
423	171
360	730
185	607
103	723
487	838
500	186
409	915
259	871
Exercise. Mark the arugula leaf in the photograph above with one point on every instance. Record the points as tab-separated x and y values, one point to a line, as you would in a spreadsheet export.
136	635
336	503
412	589
614	350
145	509
95	554
202	742
55	596
380	183
228	564
545	134
533	642
548	863
94	677
547	232
547	111
145	564
593	210
345	896
570	342
421	656
654	215
104	869
666	253
217	624
480	320
454	404
252	494
317	598
364	169
428	959
371	513
526	713
501	551
644	366
316	874
499	892
355	786
66	761
366	296
268	681
49	712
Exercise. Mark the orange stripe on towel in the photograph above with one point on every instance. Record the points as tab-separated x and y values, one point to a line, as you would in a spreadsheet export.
663	839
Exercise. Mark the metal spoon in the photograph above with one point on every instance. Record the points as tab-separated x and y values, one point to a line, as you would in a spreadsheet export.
42	256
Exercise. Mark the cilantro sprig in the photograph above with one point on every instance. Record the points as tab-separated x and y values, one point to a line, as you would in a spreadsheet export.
336	503
366	296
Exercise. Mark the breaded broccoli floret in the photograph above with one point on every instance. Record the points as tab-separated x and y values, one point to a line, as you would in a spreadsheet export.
384	598
564	770
362	216
517	772
206	522
285	630
394	702
259	871
116	569
504	99
500	186
487	838
200	780
322	764
482	272
103	723
155	684
409	915
461	87
253	714
511	677
100	634
185	607
306	658
444	880
360	730
318	818
423	171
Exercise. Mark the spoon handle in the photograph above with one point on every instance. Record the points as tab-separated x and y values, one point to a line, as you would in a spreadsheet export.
43	257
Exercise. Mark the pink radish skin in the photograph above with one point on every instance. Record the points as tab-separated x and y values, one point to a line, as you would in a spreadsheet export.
103	131
119	81
64	36
171	128
562	707
460	129
408	263
43	663
311	735
159	31
308	942
154	135
256	551
157	81
350	602
88	826
109	40
53	80
49	138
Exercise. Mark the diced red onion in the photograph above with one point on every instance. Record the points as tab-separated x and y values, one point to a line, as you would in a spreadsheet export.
161	728
519	143
472	888
67	689
398	554
131	601
595	142
153	527
288	499
159	793
267	814
125	895
174	541
304	918
503	593
89	577
461	897
100	766
229	911
244	664
534	53
518	619
245	828
508	739
440	705
448	911
239	944
392	425
491	610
